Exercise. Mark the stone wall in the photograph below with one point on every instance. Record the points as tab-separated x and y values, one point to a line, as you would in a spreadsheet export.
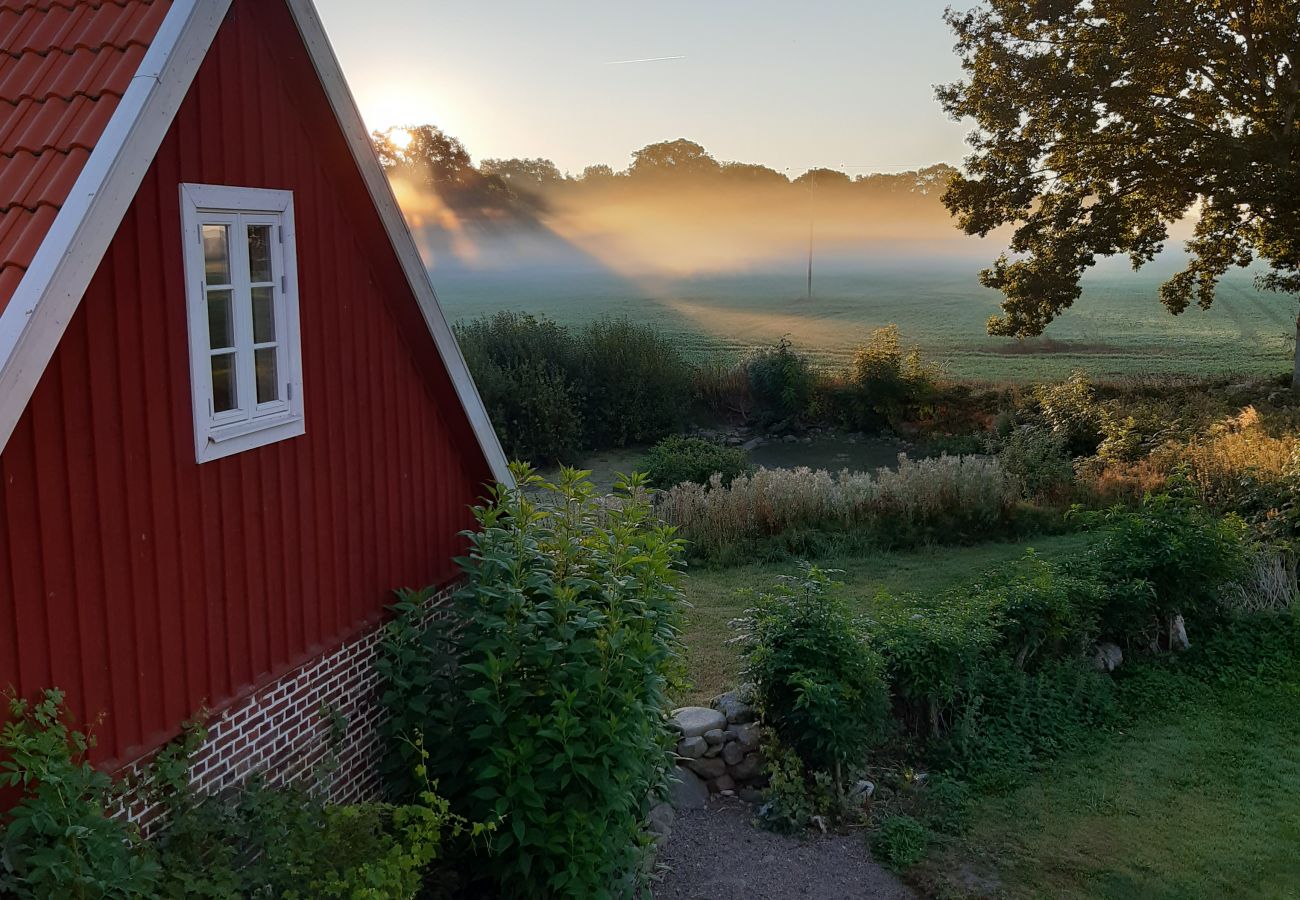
719	747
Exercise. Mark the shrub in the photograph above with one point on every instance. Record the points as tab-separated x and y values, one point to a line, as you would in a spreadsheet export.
522	367
947	498
794	796
720	388
677	459
554	715
781	382
259	842
1037	458
893	385
1071	410
946	802
57	841
818	683
634	384
1167	558
900	842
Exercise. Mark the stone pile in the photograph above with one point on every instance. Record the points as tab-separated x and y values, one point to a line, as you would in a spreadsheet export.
718	747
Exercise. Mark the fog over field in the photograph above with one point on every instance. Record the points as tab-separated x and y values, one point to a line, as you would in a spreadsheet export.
719	255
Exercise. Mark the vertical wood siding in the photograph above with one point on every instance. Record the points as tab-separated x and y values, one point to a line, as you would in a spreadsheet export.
150	587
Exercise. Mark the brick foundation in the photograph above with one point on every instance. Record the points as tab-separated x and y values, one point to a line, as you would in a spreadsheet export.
283	731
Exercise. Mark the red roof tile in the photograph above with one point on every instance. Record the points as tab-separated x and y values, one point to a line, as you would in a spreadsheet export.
64	65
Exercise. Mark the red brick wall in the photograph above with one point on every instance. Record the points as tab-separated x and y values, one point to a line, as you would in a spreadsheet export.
280	731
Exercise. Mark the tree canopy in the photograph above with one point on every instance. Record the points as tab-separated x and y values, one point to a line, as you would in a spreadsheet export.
1101	122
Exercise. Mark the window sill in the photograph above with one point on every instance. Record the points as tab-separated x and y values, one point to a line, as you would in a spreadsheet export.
231	439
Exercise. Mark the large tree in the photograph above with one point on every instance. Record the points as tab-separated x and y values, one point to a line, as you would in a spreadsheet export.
1101	122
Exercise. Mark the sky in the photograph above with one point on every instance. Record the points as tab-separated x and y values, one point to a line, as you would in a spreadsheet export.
792	85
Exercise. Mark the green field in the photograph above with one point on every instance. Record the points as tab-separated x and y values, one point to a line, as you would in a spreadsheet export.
1117	328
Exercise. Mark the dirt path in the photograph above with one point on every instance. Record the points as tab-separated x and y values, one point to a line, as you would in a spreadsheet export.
717	854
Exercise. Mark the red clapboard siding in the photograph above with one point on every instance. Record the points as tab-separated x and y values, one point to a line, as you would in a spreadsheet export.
150	587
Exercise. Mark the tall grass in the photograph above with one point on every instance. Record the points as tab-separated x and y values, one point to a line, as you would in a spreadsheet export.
950	497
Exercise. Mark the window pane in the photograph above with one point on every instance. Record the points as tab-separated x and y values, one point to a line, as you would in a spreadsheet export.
221	324
259	252
223	382
216	254
263	315
268	388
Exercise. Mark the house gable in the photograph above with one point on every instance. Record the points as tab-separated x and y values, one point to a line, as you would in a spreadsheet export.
150	587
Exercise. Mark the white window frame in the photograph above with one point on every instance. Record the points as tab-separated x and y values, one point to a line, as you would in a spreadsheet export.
252	424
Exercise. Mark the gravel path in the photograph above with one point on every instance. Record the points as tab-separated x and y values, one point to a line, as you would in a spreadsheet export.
717	854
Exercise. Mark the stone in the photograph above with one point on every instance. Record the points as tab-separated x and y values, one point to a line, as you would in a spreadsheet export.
692	747
1108	657
715	736
790	439
723	783
707	768
661	819
747	736
733	706
714	750
686	790
749	768
750	795
862	791
732	754
752	444
693	721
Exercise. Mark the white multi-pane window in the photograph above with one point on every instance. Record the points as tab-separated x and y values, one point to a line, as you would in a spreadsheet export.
242	288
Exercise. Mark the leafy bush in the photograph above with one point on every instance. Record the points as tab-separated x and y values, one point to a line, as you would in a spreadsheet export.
781	382
900	842
818	683
946	498
261	842
892	384
1037	458
947	805
1167	558
677	459
794	796
553	719
522	366
1071	410
57	841
634	384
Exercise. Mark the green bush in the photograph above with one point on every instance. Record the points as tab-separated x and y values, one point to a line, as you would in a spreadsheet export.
893	385
794	796
1167	558
281	842
57	841
680	459
1071	410
552	718
781	383
523	367
900	842
946	804
818	683
633	382
1037	458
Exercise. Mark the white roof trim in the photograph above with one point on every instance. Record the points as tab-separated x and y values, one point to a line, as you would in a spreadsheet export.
399	233
52	288
53	285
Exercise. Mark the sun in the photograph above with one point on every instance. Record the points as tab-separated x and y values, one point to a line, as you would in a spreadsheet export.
400	138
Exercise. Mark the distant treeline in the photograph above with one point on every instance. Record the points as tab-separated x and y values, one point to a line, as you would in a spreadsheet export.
426	156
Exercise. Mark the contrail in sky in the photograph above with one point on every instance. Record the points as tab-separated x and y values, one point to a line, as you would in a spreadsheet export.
624	62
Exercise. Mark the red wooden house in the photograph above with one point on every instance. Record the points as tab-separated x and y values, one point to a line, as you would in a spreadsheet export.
232	415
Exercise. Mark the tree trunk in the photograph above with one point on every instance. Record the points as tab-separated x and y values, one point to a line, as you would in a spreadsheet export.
1295	372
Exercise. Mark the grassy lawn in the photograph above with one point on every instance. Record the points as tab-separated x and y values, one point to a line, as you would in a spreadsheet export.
1200	803
714	595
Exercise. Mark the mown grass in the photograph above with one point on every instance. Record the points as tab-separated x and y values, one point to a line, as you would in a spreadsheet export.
1202	801
716	598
